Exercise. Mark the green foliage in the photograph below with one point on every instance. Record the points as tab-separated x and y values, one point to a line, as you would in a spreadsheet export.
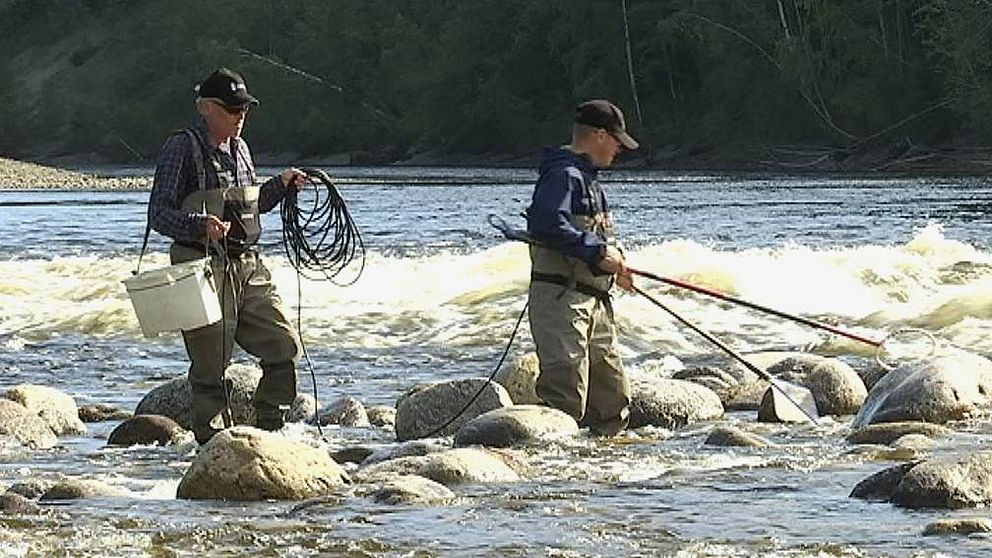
390	77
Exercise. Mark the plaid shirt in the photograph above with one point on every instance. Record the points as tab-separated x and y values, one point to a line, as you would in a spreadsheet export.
175	178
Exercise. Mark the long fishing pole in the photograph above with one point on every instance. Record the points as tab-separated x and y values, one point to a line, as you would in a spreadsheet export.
906	340
903	343
810	413
754	306
384	118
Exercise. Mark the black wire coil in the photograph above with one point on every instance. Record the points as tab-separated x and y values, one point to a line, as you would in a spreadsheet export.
322	241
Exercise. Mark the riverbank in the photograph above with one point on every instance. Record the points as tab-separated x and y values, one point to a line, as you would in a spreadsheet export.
21	175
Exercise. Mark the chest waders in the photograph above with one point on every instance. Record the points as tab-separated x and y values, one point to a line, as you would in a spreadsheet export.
571	320
229	202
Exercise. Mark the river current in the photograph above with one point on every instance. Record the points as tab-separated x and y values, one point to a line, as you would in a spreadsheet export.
437	301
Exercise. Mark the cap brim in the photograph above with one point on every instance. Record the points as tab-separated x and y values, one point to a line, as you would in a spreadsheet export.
241	99
626	140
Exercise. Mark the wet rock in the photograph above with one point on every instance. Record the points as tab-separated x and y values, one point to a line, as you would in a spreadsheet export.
32	489
346	411
456	466
872	373
146	429
57	409
516	425
99	412
745	397
24	427
935	483
412	489
173	399
886	433
303	409
413	448
671	403
836	387
883	484
731	436
15	504
964	526
946	387
382	416
520	380
355	454
425	409
914	442
715	378
76	489
247	464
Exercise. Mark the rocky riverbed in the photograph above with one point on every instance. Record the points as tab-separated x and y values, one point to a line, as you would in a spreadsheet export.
21	175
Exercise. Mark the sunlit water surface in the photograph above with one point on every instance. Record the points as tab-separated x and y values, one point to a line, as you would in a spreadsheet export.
437	301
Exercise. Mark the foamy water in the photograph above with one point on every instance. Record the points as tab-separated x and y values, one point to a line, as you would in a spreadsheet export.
438	299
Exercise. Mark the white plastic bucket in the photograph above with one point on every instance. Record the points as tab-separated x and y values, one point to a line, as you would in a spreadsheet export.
178	297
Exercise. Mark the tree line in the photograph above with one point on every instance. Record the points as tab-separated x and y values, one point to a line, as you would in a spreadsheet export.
385	79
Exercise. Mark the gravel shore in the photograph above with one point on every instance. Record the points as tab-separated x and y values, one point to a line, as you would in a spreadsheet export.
18	175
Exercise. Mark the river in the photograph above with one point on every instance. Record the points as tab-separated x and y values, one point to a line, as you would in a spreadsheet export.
437	300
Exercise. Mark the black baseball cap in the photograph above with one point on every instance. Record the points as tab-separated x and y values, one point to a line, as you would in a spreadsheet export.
228	86
600	113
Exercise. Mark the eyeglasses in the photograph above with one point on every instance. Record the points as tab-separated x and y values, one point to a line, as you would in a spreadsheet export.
233	111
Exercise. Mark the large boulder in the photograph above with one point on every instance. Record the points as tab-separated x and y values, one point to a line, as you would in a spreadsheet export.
77	488
836	387
520	379
99	412
247	464
936	483
412	489
146	429
516	425
15	504
173	399
739	388
731	436
24	427
303	409
889	432
57	409
423	411
946	387
382	416
959	526
671	403
346	411
456	466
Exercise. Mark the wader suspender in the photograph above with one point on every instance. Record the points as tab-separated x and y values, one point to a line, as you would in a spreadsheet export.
201	179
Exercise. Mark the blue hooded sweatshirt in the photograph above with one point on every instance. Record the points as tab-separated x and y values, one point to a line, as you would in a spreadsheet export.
567	186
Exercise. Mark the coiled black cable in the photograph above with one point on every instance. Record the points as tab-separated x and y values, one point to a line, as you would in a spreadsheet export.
322	241
319	245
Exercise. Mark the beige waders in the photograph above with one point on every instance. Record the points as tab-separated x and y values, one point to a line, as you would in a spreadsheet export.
571	320
255	320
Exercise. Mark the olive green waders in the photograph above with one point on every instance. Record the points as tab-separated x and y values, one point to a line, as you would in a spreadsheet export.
580	368
255	320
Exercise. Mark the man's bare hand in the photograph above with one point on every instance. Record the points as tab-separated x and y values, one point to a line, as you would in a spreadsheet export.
612	261
293	178
625	280
215	228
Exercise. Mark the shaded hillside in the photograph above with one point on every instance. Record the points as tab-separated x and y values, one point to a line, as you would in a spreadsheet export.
854	83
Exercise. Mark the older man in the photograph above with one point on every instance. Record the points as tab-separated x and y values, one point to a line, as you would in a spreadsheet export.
573	266
205	198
